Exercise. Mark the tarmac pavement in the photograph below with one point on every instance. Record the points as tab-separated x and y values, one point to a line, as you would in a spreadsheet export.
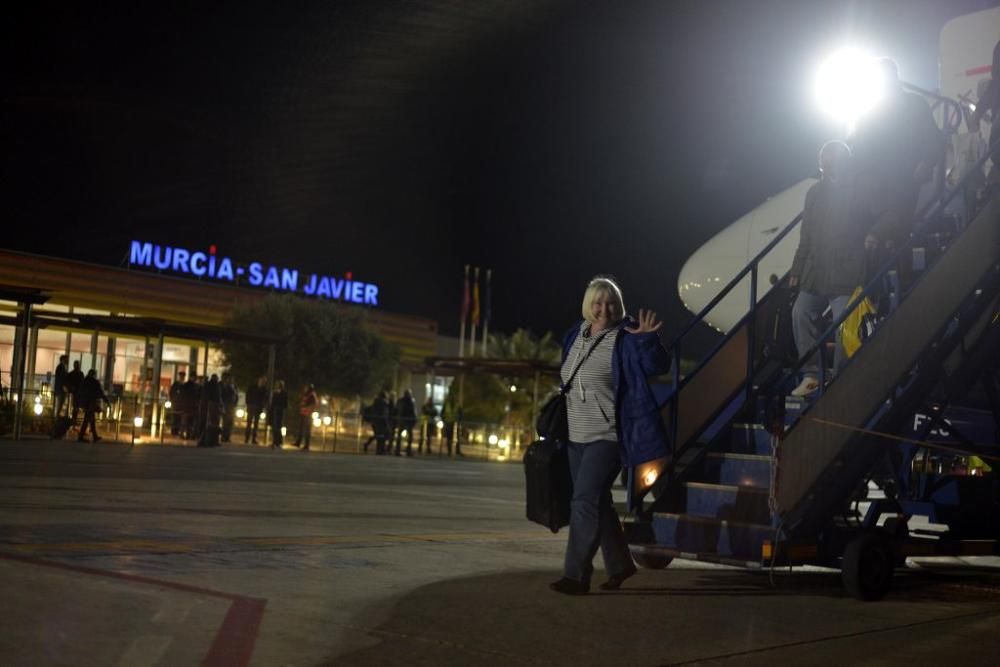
155	555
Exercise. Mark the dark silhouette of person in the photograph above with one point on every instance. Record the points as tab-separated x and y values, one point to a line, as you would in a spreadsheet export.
175	393
406	420
230	397
59	387
392	422
379	416
189	408
256	403
210	410
307	406
430	414
90	395
276	414
74	382
896	147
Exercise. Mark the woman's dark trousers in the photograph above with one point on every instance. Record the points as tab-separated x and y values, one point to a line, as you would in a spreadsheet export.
593	521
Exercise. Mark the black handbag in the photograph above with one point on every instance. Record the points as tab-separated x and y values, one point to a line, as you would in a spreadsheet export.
553	422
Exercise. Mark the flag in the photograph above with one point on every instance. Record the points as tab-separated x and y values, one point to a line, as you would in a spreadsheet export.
465	296
475	300
489	298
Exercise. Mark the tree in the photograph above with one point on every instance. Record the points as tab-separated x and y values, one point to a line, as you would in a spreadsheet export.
323	344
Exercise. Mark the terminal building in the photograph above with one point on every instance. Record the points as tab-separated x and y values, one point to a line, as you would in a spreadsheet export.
164	312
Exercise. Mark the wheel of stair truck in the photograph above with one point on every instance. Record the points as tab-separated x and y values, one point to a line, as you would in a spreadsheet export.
867	566
650	560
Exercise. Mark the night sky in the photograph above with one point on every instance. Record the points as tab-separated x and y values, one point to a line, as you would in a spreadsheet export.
547	139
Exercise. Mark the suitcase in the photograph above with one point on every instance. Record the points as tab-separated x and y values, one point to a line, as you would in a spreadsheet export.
548	485
60	426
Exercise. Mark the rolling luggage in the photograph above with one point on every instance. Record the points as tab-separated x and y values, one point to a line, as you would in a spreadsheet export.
60	426
548	484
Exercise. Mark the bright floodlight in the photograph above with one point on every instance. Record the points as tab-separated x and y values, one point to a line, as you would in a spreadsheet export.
848	84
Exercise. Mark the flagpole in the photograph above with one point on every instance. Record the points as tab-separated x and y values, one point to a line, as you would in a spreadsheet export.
475	311
465	312
486	317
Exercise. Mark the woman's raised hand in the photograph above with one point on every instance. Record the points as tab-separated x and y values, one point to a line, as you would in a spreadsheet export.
647	323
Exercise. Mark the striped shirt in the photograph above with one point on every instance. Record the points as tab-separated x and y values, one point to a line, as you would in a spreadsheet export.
590	401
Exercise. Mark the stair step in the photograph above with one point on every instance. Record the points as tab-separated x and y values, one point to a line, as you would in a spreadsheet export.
733	539
726	501
738	469
750	439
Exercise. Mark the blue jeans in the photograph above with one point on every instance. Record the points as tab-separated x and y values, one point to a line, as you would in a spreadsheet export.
593	522
808	309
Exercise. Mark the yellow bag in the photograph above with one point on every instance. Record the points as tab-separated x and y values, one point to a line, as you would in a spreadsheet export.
859	325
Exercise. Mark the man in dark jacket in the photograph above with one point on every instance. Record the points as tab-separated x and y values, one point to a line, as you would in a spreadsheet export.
406	416
830	261
59	386
230	397
74	382
209	412
176	405
256	402
378	414
189	407
91	394
895	149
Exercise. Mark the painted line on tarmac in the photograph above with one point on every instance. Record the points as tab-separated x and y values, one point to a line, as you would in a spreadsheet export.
234	640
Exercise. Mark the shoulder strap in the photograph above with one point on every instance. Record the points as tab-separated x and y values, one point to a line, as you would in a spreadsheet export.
597	342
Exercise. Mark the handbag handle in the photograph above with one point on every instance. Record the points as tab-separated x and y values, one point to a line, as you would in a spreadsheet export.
565	387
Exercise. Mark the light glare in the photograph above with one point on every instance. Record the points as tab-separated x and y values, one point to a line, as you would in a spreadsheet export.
848	84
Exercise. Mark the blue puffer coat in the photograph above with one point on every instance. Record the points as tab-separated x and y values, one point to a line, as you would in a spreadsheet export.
641	432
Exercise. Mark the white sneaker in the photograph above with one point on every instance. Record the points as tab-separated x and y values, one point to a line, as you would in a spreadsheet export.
806	387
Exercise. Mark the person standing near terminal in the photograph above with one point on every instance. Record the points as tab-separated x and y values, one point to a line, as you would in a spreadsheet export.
430	414
59	386
230	397
90	396
392	422
614	420
307	406
406	415
74	382
276	413
256	402
176	402
189	407
210	411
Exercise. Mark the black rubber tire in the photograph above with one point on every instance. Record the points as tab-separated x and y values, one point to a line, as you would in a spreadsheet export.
867	567
650	561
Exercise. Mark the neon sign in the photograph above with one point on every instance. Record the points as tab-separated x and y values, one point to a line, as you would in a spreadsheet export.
210	265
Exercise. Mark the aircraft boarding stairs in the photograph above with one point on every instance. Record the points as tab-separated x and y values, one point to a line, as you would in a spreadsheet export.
757	479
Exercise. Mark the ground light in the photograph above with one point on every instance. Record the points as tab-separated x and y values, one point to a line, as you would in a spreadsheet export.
848	84
38	408
240	413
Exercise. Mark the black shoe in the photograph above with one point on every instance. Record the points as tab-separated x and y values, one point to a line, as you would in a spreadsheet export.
98	438
569	586
82	439
615	581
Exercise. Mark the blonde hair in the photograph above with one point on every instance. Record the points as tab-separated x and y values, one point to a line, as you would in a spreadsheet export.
602	285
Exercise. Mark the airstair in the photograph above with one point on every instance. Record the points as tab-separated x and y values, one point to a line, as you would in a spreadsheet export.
759	479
